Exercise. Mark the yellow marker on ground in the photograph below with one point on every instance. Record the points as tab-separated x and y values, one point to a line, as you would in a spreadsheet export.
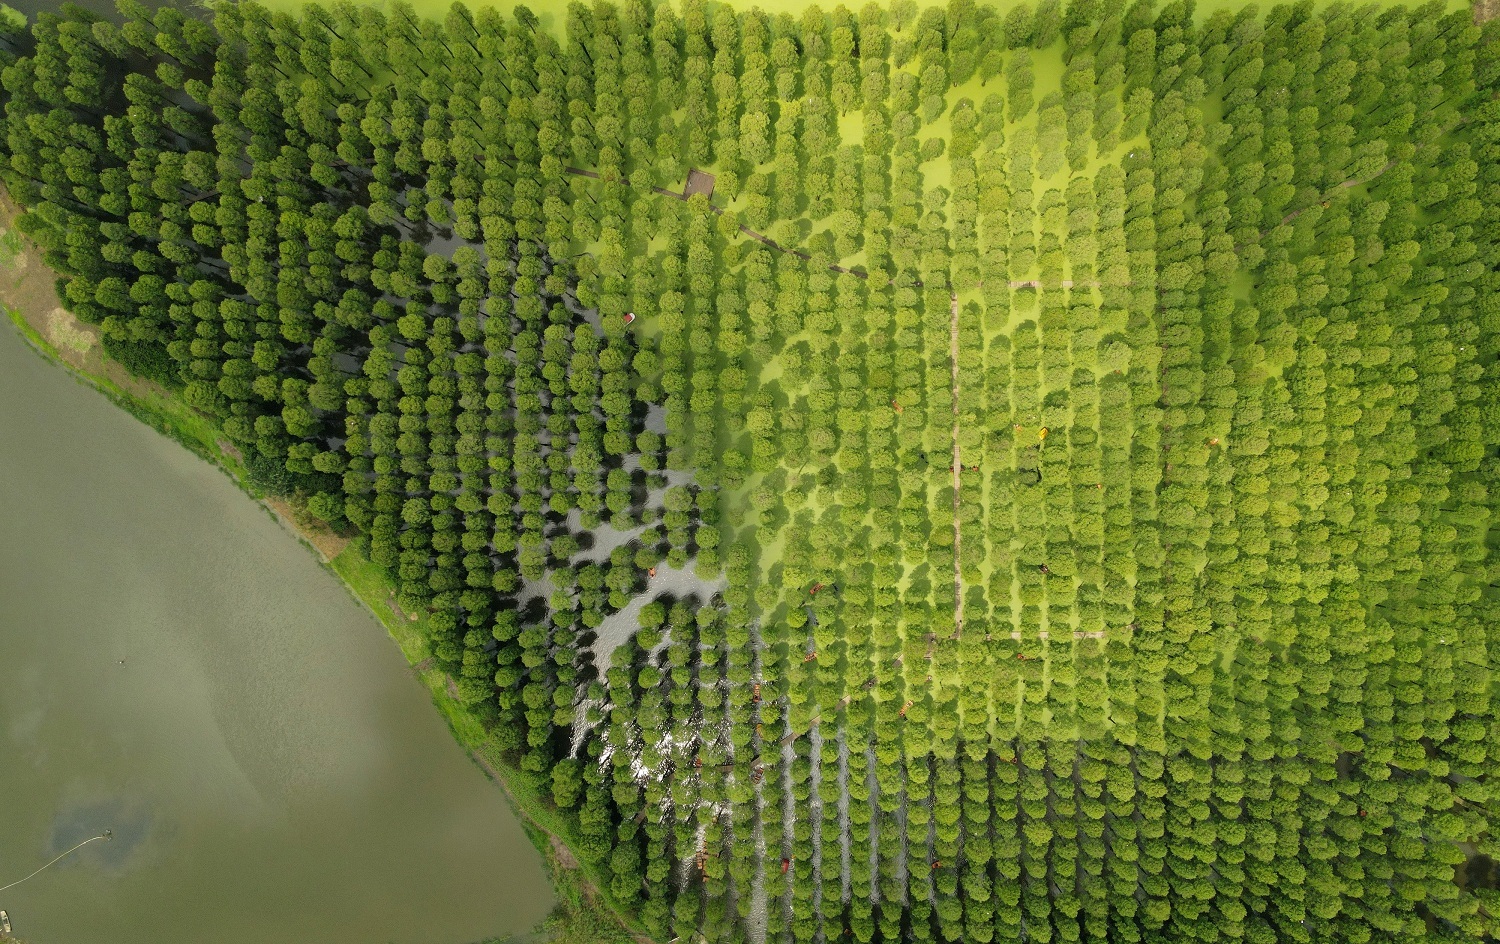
1041	435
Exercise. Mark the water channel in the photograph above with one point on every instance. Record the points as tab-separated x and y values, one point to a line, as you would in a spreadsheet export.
271	769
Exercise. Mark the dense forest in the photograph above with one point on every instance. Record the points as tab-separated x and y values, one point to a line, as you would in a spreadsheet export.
1042	492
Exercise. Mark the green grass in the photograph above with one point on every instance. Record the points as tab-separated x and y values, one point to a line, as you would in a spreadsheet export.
368	585
574	921
921	579
162	412
551	13
11	244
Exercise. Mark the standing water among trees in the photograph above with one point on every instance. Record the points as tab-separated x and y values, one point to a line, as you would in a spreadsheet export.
1129	383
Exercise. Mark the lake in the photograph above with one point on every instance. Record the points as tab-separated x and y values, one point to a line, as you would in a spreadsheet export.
271	769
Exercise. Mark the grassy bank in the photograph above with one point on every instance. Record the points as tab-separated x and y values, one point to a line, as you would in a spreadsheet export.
580	886
159	410
585	910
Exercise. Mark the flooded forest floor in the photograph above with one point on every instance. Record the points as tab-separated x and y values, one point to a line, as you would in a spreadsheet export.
28	296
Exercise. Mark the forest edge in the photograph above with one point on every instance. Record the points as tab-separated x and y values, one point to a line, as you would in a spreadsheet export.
29	300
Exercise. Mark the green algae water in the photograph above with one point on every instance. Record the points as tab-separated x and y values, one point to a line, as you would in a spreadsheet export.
270	768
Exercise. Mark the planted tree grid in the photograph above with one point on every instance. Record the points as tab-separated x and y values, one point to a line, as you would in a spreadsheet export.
1045	489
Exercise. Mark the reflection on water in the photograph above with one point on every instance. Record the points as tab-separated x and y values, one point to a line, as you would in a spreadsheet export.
128	823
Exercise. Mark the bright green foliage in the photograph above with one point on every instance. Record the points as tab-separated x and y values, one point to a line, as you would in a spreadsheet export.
1073	426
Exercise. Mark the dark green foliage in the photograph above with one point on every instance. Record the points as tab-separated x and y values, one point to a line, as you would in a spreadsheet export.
144	359
1105	533
269	475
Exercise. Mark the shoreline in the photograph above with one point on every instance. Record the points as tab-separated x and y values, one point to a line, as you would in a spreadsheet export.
34	312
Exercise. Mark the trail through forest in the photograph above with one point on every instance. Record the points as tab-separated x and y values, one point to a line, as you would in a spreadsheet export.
958	588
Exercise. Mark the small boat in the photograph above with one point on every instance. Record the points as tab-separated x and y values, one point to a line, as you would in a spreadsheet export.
4	922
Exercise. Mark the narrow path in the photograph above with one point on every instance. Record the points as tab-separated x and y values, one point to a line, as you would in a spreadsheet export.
902	874
788	845
958	587
846	843
1355	182
877	818
756	920
817	872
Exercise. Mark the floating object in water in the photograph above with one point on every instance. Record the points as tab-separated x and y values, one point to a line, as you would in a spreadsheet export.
106	835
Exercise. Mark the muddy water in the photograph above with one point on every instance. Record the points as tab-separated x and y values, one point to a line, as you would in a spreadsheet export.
98	7
269	767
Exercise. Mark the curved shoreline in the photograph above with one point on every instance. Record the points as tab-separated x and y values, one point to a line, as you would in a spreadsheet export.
29	303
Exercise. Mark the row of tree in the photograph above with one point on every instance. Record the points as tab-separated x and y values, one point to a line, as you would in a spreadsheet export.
1119	565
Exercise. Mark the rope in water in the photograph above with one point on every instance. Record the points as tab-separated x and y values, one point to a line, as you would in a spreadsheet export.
104	835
